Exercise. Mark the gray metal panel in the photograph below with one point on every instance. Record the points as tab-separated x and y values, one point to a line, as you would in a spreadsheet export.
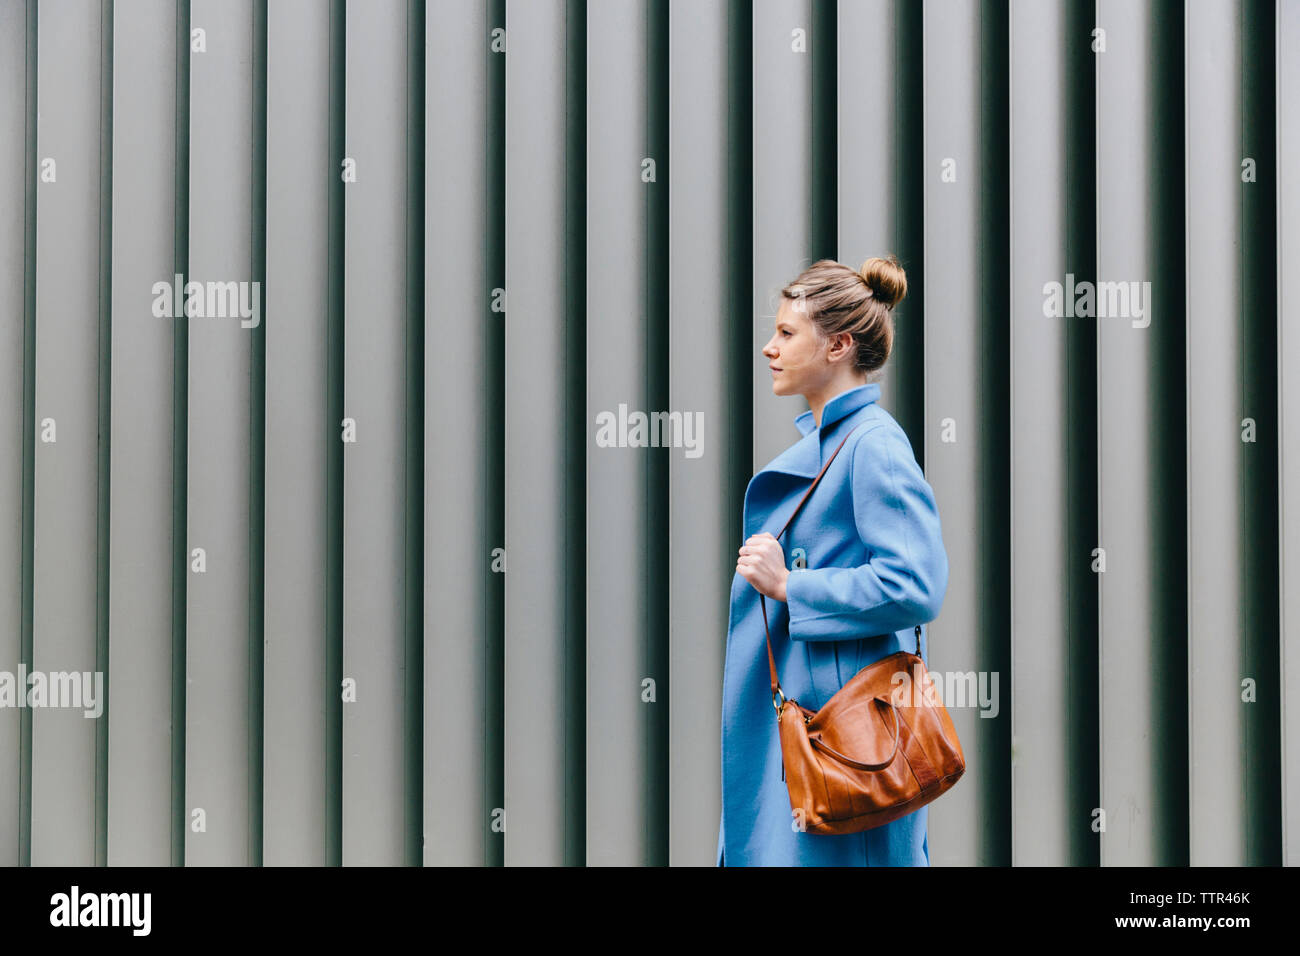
1127	495
374	397
217	664
954	389
703	515
1214	447
68	258
868	156
616	477
140	583
536	365
297	233
458	162
782	168
564	796
1288	357
1039	423
13	213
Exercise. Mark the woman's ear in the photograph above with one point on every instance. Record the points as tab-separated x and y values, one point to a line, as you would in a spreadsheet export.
840	346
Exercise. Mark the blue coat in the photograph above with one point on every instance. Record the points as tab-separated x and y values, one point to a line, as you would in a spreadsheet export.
876	567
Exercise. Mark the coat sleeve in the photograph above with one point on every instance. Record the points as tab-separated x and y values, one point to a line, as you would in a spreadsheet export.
906	574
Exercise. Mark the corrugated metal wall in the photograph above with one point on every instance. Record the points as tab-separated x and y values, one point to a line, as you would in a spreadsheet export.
363	581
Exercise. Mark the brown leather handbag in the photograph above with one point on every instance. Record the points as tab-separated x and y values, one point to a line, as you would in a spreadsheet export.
880	748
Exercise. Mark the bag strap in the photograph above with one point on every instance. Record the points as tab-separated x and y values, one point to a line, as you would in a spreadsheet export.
771	659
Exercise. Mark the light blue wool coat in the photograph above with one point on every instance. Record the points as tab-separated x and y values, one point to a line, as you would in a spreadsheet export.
876	567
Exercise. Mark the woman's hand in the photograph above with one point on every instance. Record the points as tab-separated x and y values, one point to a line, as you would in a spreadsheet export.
762	564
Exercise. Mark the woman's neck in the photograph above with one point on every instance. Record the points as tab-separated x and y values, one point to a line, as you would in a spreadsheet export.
817	401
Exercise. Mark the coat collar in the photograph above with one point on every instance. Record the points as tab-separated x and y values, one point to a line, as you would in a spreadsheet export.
804	458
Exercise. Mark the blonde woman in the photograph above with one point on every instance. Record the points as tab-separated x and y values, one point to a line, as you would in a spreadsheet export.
872	565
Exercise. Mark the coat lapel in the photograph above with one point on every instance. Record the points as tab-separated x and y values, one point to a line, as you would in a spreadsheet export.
803	459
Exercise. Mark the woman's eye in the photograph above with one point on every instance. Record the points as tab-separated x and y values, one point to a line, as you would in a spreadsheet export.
785	331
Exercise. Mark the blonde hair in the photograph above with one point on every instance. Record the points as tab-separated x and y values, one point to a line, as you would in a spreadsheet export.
837	299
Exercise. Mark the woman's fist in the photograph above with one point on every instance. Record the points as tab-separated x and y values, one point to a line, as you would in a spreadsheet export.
762	564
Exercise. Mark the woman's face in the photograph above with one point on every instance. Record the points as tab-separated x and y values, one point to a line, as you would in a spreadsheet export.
796	356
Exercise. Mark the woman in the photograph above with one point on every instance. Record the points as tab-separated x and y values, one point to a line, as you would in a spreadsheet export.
870	564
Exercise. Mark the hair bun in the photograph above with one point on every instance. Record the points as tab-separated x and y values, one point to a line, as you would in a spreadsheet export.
886	279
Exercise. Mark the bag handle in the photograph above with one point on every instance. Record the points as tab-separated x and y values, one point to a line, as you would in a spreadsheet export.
771	659
816	741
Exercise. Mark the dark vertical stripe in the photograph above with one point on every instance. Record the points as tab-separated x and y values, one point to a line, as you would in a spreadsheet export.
413	762
180	429
30	162
492	452
575	444
257	454
334	449
992	357
740	258
1169	689
1260	574
656	516
103	460
909	178
824	186
1083	740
